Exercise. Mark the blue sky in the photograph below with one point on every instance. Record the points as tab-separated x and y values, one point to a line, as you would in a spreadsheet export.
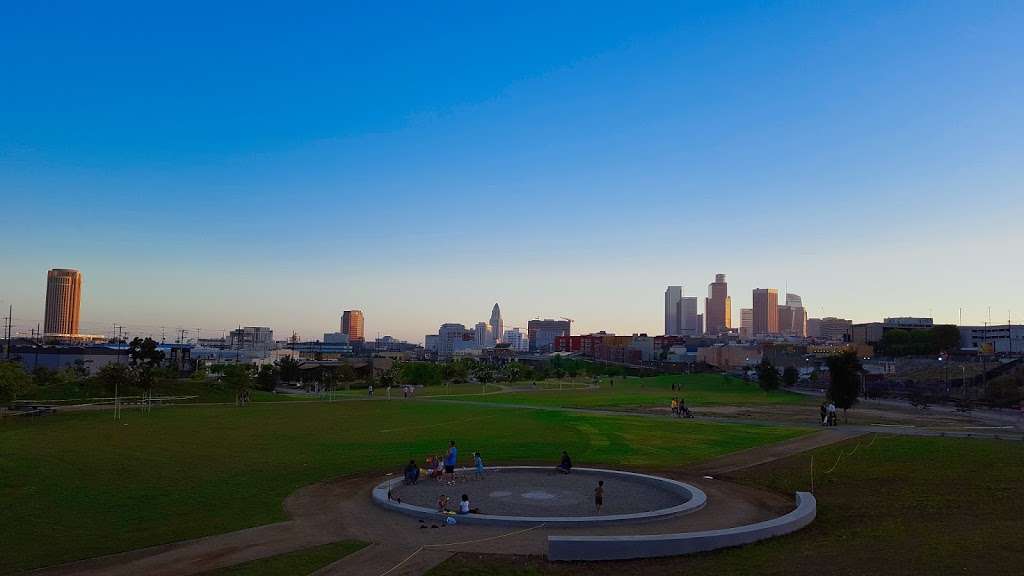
208	166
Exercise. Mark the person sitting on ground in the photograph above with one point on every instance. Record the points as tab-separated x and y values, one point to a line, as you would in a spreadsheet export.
565	466
412	472
464	506
433	467
442	504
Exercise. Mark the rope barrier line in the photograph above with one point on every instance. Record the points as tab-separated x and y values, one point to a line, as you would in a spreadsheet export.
517	532
420	549
407	558
851	453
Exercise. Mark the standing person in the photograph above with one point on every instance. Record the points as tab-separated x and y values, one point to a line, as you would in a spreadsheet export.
831	413
369	390
675	407
478	464
449	461
599	495
683	410
824	413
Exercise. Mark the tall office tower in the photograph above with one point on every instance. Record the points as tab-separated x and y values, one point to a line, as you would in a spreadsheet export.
793	317
718	307
673	296
689	324
352	324
482	335
542	333
497	327
63	301
746	323
517	340
766	311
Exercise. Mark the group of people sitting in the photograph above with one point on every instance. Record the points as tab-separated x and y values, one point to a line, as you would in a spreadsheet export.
464	507
679	409
441	468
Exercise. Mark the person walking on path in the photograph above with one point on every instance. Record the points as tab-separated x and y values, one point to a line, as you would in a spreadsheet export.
824	413
599	495
831	413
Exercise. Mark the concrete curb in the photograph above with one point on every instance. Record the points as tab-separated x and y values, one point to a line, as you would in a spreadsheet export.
652	546
695	499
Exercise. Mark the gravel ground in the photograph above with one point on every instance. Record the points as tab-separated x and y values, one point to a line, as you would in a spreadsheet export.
541	493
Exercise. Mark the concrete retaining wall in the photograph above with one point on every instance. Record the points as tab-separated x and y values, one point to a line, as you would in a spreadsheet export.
652	546
694	499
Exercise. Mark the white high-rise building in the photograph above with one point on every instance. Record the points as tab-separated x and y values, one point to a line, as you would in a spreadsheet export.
496	325
453	338
517	340
746	323
482	335
673	297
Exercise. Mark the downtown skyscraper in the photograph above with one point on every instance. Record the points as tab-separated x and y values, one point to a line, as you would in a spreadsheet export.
496	325
718	307
63	302
766	311
681	317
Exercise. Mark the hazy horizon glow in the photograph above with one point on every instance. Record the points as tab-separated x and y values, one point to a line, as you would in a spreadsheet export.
211	166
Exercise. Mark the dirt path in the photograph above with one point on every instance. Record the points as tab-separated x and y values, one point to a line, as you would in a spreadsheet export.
764	454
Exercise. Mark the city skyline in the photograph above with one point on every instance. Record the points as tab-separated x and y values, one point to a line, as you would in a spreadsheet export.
863	157
171	331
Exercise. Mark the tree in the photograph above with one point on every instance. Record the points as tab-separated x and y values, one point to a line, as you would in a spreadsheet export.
844	371
238	377
790	376
145	357
114	377
14	381
266	377
767	376
288	368
512	372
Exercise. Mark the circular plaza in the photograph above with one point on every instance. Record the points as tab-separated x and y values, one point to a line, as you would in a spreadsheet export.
529	495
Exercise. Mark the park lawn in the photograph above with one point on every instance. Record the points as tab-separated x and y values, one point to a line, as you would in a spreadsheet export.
295	563
176	473
656	391
204	391
902	505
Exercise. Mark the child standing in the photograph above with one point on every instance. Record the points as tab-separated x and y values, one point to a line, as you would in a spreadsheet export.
478	463
599	495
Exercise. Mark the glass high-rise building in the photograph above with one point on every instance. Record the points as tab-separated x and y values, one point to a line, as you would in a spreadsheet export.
352	324
63	301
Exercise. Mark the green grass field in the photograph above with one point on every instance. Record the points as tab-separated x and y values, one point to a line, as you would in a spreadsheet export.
294	563
697	390
902	505
97	487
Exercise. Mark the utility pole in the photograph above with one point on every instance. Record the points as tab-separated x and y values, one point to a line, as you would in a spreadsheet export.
10	313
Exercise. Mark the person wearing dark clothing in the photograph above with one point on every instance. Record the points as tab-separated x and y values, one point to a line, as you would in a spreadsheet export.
412	472
566	464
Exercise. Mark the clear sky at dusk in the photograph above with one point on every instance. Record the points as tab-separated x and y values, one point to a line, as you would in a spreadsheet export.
211	164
